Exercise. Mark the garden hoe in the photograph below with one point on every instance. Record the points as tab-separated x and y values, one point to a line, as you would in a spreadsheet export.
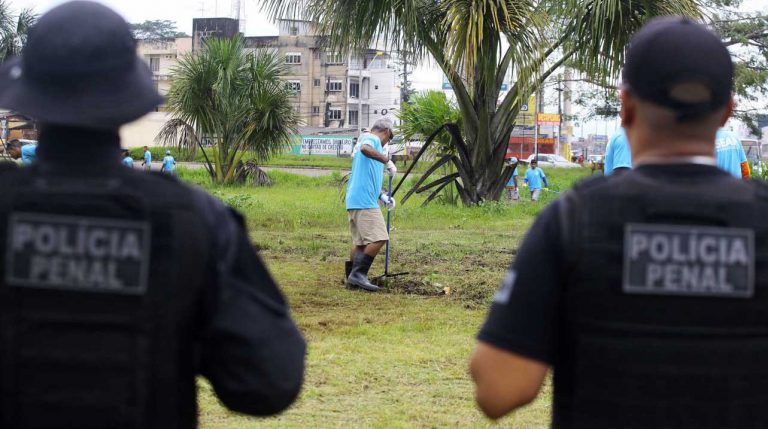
387	275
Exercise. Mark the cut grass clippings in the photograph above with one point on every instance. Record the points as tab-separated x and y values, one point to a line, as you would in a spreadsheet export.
395	359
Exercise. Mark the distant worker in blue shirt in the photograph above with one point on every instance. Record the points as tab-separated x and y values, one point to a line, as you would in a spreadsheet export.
26	152
730	155
364	191
512	190
147	164
618	155
127	160
534	178
168	163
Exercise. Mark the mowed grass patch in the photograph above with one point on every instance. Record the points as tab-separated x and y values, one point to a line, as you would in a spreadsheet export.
397	358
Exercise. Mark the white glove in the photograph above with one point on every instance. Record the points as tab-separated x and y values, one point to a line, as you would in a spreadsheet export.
391	168
388	201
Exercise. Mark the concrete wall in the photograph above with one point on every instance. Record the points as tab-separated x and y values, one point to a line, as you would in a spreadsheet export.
143	131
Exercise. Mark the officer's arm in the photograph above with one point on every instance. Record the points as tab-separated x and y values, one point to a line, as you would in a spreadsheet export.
372	153
504	380
252	352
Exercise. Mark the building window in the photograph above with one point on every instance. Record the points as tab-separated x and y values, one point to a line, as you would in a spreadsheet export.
317	82
293	31
354	89
335	86
315	110
353	117
294	85
154	63
316	54
293	58
334	114
334	58
297	109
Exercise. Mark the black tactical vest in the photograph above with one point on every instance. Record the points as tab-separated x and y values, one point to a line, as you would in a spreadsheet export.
664	322
100	291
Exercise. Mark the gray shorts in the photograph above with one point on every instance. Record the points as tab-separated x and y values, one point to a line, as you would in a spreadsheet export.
367	226
535	194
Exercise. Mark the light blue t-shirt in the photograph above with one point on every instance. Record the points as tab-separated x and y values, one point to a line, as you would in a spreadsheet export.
147	157
512	183
365	182
729	152
535	178
128	162
168	163
28	154
617	153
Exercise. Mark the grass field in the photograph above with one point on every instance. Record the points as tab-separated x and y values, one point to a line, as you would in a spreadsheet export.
392	359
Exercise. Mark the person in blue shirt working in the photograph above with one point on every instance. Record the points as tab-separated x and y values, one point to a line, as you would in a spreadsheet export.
618	156
534	178
127	160
364	191
512	192
27	153
147	164
730	154
168	163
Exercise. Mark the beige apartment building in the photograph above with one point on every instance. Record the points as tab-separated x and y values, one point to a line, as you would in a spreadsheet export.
333	90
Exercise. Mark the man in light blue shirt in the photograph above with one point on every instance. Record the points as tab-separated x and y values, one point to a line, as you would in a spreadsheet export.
127	160
534	178
364	190
26	152
147	164
618	155
168	163
730	154
512	192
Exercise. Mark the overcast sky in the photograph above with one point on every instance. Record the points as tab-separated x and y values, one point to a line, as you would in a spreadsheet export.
183	11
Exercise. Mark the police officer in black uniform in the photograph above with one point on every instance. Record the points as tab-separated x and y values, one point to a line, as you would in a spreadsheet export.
646	292
117	287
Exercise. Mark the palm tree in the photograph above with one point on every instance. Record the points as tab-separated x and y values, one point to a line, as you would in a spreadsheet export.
424	113
14	30
478	44
236	99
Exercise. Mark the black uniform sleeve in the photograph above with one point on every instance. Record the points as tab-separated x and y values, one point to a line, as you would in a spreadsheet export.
252	352
523	316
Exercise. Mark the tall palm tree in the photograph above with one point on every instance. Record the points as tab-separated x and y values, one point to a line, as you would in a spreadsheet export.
235	98
14	30
478	44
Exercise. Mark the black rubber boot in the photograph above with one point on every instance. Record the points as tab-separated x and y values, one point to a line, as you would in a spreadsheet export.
347	270
358	277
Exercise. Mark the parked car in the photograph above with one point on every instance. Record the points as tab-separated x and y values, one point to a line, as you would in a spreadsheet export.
595	158
552	160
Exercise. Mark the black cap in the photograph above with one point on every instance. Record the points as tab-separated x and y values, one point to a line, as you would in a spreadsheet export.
79	68
677	63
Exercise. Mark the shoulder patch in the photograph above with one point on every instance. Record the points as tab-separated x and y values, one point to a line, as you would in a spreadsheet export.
77	254
689	261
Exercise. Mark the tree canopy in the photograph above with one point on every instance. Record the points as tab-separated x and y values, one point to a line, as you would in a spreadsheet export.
159	29
479	44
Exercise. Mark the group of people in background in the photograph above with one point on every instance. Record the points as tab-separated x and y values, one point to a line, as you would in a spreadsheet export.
535	180
167	166
27	153
729	153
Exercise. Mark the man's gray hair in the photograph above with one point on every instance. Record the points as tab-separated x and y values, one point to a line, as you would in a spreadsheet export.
382	125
